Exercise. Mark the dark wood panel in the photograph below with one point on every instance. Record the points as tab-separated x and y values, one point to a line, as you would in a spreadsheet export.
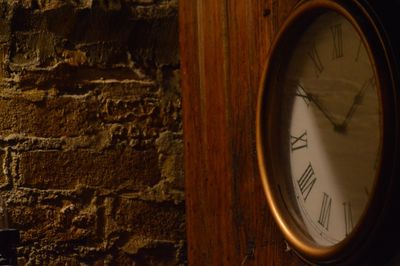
207	154
224	44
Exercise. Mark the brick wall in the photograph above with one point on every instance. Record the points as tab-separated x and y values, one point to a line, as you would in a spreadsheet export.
90	131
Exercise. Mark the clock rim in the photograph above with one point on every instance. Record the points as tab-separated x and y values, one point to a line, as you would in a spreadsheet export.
368	27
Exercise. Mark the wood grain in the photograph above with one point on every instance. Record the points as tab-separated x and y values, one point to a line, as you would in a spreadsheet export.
224	44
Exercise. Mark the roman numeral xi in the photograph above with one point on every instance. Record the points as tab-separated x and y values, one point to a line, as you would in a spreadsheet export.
314	56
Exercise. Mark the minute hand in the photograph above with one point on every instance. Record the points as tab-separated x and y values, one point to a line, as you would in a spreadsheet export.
303	93
325	111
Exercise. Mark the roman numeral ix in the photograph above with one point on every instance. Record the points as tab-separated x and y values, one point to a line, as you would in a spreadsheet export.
306	181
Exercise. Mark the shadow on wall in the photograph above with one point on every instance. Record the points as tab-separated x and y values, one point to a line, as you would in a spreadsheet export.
91	131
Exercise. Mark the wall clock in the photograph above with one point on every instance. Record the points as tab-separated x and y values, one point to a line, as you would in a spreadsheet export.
328	132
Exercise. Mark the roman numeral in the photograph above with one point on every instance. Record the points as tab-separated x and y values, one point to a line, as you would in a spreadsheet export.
325	211
348	217
306	181
314	56
337	39
300	92
299	142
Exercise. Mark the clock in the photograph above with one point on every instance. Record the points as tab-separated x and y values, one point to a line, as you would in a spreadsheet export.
328	132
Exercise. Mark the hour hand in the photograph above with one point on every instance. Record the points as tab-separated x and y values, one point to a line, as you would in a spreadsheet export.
358	98
309	98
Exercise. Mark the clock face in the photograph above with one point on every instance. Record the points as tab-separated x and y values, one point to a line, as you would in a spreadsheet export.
330	129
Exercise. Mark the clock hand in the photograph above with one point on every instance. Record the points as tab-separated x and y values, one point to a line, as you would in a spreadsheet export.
356	102
327	114
318	104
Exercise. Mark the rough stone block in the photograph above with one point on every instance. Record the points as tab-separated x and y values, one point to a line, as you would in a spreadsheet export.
164	221
3	169
112	170
56	117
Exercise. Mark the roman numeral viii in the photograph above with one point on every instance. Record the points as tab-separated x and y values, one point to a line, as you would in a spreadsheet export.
337	39
306	181
314	56
299	142
325	211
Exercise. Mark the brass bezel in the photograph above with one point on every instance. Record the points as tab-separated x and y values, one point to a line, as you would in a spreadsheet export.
365	22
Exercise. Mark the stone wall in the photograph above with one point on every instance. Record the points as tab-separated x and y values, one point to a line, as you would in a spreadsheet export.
90	131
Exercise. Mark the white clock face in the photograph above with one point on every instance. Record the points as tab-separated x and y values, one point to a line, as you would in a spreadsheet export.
331	113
